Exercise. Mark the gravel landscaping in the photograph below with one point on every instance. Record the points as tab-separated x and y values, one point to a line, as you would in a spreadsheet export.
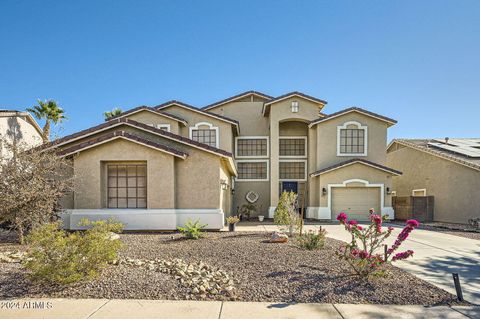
260	271
460	230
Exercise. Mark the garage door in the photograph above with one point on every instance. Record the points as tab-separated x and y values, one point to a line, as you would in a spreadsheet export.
355	201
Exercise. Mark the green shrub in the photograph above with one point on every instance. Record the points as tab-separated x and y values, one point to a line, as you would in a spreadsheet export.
312	240
286	213
192	230
55	256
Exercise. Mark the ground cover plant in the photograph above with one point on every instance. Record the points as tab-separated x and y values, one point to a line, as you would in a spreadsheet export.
192	230
312	240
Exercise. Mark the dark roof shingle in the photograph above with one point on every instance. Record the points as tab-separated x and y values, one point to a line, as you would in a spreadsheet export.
353	161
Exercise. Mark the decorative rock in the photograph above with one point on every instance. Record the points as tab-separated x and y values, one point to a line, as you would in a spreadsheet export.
279	238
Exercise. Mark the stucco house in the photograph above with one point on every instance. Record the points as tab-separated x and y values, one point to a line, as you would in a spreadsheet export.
155	167
448	169
18	127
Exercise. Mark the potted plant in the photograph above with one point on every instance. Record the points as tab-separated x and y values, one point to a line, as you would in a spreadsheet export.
232	220
260	218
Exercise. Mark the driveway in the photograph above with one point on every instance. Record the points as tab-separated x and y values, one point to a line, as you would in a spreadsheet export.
437	256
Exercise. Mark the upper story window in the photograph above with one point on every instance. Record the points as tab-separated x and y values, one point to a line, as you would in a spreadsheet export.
251	146
252	170
293	170
164	127
205	133
352	139
293	146
295	107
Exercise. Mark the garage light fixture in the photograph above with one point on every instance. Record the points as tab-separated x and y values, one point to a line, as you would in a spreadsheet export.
324	191
223	184
388	191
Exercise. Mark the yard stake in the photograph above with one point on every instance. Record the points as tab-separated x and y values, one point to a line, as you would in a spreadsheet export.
385	252
458	288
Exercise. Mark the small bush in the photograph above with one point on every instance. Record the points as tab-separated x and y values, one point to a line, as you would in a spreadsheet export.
232	219
286	214
55	256
312	240
192	230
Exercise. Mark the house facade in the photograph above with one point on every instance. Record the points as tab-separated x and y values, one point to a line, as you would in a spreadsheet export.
173	161
448	169
18	127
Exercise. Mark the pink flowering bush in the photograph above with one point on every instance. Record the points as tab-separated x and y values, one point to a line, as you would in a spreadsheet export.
363	253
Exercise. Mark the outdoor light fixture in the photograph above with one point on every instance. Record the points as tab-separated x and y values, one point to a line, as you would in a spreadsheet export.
324	191
224	184
294	106
388	191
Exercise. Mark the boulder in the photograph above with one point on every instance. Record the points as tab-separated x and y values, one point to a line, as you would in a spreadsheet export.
279	238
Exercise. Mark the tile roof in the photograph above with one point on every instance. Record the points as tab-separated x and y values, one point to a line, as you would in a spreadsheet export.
235	97
422	145
353	161
353	109
151	109
124	135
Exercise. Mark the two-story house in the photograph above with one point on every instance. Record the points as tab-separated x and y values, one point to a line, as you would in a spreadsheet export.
155	167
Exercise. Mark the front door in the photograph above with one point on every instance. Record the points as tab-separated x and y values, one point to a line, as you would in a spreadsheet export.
290	187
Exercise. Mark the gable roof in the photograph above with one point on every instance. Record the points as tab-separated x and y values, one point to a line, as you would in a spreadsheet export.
238	97
28	116
289	95
149	109
424	146
121	135
355	161
193	108
353	109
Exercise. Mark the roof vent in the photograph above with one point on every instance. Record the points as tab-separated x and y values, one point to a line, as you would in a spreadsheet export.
446	140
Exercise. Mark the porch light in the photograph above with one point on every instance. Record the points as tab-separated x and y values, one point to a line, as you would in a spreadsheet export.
388	191
294	106
223	185
324	191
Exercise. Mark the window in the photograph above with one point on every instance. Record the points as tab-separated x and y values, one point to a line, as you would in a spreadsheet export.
127	185
293	170
352	139
252	170
419	192
205	133
293	146
294	106
165	127
251	146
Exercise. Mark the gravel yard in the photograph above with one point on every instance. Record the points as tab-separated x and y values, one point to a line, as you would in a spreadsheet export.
263	271
465	231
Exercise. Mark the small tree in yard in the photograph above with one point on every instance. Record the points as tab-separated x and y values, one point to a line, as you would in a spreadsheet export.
364	252
31	184
286	213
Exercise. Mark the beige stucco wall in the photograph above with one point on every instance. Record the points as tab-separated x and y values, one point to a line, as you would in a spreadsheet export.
225	129
90	191
354	171
327	140
152	118
456	188
226	194
17	129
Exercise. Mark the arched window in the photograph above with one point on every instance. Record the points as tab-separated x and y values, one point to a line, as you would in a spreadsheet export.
205	133
352	139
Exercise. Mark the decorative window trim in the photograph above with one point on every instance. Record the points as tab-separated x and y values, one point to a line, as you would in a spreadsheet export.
166	126
293	137
293	180
424	190
211	127
252	138
254	180
359	126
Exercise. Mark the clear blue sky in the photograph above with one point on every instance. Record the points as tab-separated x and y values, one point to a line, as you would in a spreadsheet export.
415	61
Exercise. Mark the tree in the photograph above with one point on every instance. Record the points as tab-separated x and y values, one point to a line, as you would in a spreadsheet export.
49	111
115	112
286	213
32	183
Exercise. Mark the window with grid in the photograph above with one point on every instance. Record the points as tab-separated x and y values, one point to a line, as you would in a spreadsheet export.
205	136
252	170
292	147
292	170
352	141
127	185
252	147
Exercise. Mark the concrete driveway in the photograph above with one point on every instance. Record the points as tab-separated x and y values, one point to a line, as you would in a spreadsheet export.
437	256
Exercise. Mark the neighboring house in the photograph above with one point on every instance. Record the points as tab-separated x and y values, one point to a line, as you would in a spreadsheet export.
18	128
191	163
448	169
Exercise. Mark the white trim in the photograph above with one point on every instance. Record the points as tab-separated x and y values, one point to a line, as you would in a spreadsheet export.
161	126
271	211
341	114
211	127
293	137
289	179
356	180
291	95
365	136
238	180
393	193
252	138
127	139
424	190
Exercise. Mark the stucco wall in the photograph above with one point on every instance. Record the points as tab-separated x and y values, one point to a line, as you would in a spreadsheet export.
90	190
17	129
456	188
152	118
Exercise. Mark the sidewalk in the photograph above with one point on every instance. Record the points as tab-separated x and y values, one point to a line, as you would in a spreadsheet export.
164	309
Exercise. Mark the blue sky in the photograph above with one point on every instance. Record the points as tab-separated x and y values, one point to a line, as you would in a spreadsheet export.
415	61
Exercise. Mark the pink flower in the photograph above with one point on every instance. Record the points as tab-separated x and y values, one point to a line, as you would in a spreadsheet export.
359	227
377	219
352	222
342	217
413	223
402	255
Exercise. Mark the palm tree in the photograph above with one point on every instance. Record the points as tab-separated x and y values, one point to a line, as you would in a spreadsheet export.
49	111
115	112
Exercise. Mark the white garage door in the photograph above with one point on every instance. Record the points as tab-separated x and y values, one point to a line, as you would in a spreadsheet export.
355	201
